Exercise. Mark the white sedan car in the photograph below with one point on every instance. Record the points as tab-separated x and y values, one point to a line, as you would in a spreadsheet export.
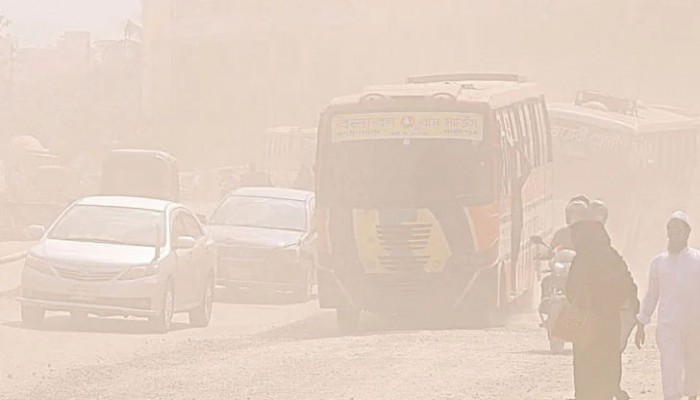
121	256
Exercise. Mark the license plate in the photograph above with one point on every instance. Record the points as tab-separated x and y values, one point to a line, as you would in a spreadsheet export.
83	293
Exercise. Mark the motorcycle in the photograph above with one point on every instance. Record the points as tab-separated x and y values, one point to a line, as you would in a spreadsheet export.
553	297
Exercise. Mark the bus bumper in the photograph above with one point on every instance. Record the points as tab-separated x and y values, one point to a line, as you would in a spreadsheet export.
397	293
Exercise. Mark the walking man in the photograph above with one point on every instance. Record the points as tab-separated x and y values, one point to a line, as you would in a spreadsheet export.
674	285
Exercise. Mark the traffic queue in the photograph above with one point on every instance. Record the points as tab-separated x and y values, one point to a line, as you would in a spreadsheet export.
135	251
421	200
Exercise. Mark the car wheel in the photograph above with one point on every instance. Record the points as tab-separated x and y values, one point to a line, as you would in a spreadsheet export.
32	316
162	322
348	319
201	316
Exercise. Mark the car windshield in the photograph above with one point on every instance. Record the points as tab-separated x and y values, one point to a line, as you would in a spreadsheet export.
261	212
113	225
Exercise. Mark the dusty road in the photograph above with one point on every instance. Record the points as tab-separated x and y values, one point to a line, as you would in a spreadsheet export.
41	358
289	352
294	351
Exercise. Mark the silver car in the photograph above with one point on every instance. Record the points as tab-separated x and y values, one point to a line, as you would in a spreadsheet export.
121	256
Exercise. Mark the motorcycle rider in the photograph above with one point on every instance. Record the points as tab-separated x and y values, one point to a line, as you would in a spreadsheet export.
576	210
598	211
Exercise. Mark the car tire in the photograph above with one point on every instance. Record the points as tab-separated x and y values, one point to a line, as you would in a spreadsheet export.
162	322
201	316
32	316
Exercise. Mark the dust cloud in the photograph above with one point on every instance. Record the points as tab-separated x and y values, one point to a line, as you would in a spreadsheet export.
342	198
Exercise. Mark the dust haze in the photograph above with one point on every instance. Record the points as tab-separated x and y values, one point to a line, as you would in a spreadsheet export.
345	199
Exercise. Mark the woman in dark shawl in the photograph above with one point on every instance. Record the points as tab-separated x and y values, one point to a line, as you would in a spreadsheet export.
599	280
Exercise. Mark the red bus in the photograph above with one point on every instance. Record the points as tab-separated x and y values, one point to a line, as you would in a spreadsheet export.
427	193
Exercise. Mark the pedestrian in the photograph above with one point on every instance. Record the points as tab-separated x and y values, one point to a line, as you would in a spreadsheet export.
674	285
599	282
598	211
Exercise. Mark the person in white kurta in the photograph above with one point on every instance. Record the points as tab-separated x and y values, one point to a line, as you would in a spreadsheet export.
674	286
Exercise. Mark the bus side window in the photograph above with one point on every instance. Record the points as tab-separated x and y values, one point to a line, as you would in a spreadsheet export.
276	147
279	147
527	136
544	133
271	147
289	149
674	156
504	154
536	136
543	127
518	141
656	154
661	154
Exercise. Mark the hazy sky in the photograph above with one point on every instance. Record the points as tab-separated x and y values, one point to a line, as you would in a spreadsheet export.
41	22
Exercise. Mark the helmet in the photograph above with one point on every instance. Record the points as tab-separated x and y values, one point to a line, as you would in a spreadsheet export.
598	211
576	211
580	198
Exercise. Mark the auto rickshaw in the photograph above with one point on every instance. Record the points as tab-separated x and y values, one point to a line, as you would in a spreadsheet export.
140	173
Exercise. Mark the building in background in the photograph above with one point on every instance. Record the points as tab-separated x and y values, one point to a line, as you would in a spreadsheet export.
77	96
224	71
218	73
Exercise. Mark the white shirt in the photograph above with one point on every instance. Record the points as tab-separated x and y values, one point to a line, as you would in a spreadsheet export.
674	285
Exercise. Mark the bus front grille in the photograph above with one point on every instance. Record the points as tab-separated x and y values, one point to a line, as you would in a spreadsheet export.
404	246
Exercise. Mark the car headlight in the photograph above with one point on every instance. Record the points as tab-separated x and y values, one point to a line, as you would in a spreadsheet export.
285	255
138	272
38	265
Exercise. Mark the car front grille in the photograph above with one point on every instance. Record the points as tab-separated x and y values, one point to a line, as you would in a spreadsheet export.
236	253
254	264
88	274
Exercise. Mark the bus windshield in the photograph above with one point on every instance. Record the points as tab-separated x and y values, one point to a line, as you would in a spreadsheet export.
410	168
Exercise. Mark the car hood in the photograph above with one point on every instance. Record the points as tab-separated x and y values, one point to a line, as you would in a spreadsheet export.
72	252
256	237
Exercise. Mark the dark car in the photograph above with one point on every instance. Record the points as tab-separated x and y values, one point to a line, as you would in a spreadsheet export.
265	240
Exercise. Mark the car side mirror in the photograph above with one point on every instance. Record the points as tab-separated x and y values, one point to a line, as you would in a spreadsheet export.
202	219
185	243
36	232
537	240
